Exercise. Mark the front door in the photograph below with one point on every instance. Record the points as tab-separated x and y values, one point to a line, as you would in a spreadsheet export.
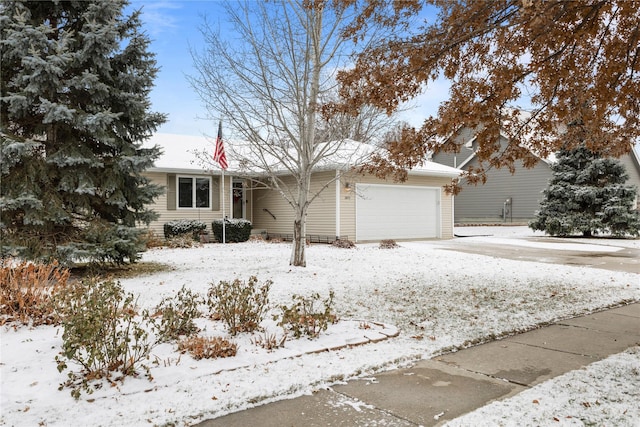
238	200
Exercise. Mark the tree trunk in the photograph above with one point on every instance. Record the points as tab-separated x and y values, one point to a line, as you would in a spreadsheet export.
298	255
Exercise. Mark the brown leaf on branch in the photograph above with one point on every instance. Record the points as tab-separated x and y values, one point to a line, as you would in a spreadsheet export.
575	64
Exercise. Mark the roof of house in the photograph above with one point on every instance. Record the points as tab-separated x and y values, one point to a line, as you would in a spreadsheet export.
192	154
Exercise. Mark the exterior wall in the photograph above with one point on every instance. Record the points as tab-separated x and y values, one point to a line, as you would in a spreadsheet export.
485	203
166	215
456	159
321	218
348	201
630	162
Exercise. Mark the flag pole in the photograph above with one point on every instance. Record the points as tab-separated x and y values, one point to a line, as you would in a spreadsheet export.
224	238
220	157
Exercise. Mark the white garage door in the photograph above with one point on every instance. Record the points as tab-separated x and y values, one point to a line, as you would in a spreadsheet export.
396	212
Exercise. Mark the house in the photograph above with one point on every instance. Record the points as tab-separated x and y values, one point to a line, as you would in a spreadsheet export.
353	206
506	197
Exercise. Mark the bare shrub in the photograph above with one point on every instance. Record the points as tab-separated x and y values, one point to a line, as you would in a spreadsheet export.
269	341
241	306
343	243
388	244
182	241
207	348
151	239
174	316
303	318
27	289
102	333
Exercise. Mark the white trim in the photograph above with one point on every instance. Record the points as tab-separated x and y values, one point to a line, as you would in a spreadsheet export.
338	189
193	192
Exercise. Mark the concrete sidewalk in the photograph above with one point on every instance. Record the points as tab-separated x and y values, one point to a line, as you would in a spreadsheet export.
434	391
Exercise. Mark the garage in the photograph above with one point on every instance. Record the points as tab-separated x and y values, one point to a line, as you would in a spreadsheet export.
397	212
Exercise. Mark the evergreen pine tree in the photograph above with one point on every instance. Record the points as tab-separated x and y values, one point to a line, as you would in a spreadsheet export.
587	194
75	83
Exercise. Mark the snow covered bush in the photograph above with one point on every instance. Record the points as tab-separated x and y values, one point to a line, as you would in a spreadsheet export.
236	230
240	305
102	333
304	318
174	316
180	227
27	289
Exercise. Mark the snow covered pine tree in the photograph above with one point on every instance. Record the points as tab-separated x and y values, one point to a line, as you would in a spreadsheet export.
587	194
76	77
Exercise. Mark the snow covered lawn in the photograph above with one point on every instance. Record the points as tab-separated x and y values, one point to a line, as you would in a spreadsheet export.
437	299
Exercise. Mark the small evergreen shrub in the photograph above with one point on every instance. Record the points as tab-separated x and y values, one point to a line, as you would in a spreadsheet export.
207	348
343	243
102	334
174	316
303	318
388	244
236	230
240	305
180	227
27	290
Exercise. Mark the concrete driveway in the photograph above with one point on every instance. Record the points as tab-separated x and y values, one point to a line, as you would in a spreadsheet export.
608	254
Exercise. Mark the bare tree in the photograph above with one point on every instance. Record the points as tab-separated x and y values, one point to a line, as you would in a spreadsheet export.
267	80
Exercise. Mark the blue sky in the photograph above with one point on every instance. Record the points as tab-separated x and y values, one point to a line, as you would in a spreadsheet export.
174	28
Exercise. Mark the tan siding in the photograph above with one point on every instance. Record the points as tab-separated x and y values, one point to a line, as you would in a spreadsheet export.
321	218
160	207
633	169
321	215
348	207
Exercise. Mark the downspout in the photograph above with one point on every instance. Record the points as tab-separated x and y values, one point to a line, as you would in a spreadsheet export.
338	189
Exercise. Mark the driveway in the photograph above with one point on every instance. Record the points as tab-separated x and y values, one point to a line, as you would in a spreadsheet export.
607	254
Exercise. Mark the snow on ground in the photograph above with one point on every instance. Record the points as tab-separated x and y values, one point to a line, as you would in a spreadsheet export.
437	299
604	393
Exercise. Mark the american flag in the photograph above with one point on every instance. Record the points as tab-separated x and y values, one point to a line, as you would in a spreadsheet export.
219	155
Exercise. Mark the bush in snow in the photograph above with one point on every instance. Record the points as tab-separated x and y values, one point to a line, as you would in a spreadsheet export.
102	333
388	244
343	243
180	227
304	318
235	230
27	289
174	316
207	348
241	306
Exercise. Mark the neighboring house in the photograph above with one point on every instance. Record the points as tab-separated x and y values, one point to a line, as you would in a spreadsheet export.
355	207
506	197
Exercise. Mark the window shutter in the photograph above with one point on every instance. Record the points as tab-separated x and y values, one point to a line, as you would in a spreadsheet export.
215	193
171	191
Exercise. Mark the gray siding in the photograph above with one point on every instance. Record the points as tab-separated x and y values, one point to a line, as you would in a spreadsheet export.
456	159
485	203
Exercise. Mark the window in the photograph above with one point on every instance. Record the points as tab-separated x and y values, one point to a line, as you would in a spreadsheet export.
194	192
